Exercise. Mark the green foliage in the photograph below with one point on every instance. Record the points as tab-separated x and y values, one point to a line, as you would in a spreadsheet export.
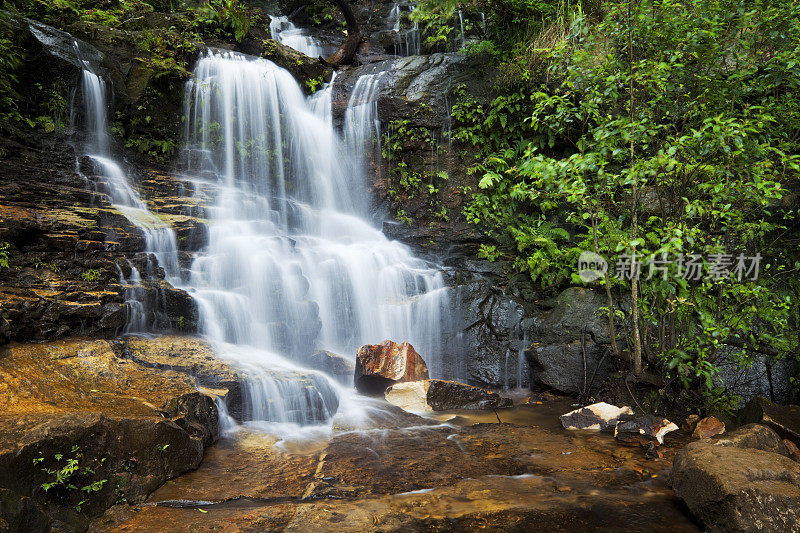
11	59
69	477
406	148
38	264
4	246
92	275
713	122
223	18
60	13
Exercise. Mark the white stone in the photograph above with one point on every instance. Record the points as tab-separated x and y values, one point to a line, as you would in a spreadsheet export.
596	416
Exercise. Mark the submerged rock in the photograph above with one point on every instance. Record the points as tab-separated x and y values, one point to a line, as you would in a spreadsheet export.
381	365
642	429
442	395
708	427
739	483
596	416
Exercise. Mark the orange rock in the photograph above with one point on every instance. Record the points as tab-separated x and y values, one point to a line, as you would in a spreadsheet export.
794	452
381	365
708	427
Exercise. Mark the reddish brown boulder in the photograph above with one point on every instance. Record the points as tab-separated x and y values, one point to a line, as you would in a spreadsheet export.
794	452
739	482
708	427
380	365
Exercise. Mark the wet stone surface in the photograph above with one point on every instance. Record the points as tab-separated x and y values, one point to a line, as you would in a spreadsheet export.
470	473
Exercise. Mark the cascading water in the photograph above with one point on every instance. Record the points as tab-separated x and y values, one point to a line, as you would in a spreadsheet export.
362	128
283	31
110	179
409	42
292	266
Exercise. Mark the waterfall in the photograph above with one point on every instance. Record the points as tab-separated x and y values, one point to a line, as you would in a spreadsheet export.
362	128
393	21
461	22
283	31
292	265
110	178
408	42
321	103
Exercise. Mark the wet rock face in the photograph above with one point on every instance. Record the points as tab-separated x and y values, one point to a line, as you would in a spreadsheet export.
764	378
303	68
570	341
135	427
380	365
67	244
739	483
486	352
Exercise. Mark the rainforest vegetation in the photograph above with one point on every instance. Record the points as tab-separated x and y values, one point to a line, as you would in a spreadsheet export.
657	129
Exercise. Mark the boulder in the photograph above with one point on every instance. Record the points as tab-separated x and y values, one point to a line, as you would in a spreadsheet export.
445	395
730	485
411	396
754	436
794	451
784	419
708	427
441	395
596	416
642	429
381	365
334	364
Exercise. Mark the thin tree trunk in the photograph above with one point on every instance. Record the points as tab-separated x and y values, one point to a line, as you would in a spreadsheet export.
637	341
612	330
345	54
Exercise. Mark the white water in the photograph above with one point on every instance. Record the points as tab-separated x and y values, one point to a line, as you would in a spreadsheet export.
393	21
461	22
362	128
409	41
292	264
110	179
283	31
